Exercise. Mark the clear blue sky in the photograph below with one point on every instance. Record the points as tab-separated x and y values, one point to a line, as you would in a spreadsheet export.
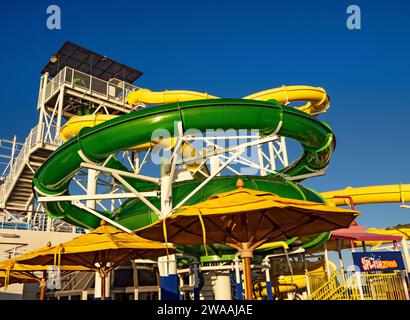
233	48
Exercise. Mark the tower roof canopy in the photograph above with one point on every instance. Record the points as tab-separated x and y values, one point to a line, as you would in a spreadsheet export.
92	63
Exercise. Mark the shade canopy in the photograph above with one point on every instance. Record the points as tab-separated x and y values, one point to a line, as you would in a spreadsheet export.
358	233
104	245
90	62
11	277
246	215
16	264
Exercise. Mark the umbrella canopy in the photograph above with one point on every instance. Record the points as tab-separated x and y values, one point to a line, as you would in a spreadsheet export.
246	215
11	277
100	250
104	245
355	235
245	219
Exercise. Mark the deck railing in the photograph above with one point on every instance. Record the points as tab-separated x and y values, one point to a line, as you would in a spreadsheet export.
113	90
364	286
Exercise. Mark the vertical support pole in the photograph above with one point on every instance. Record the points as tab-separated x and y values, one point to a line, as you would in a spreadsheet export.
248	278
103	282
136	157
272	155
91	187
169	282
196	280
102	287
214	164
43	285
59	113
308	289
222	286
42	108
166	197
49	223
84	295
327	265
307	283
181	284
359	284
238	280
364	246
92	190
404	284
30	213
13	151
339	252
284	151
269	294
261	164
405	250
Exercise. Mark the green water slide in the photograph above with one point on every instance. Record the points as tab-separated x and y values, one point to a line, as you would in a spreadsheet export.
98	143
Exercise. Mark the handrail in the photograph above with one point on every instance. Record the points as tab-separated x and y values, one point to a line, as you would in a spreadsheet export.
363	285
18	164
114	89
328	286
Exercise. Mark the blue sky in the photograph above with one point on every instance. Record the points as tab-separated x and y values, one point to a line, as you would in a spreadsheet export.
233	48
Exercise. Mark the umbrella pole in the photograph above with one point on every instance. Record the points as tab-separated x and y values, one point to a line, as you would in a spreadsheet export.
248	278
43	284
102	286
42	288
247	254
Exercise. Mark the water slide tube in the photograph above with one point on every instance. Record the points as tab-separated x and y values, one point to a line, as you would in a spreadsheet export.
288	283
394	193
124	132
316	98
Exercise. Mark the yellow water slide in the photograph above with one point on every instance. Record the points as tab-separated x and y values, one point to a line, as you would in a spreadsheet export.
288	283
148	97
393	193
315	98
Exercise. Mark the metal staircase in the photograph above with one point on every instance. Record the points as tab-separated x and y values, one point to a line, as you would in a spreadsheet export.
16	190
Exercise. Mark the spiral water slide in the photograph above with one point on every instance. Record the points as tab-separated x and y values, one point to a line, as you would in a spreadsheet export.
94	138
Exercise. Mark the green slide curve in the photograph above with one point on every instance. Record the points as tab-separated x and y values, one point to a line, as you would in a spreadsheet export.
124	132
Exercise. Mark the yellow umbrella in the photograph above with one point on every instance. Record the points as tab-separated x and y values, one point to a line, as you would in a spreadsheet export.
7	278
14	266
95	250
245	219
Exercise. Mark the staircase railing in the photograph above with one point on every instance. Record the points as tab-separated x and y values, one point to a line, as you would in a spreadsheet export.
364	286
329	286
17	165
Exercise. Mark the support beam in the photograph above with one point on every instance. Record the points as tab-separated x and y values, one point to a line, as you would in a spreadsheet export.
193	192
120	172
139	195
126	195
99	215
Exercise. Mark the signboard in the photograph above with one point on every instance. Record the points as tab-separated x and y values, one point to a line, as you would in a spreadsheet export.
378	260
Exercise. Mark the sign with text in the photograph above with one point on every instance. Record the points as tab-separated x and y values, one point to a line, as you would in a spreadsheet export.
378	260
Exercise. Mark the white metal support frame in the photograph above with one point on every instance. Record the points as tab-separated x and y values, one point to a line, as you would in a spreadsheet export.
99	215
193	192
